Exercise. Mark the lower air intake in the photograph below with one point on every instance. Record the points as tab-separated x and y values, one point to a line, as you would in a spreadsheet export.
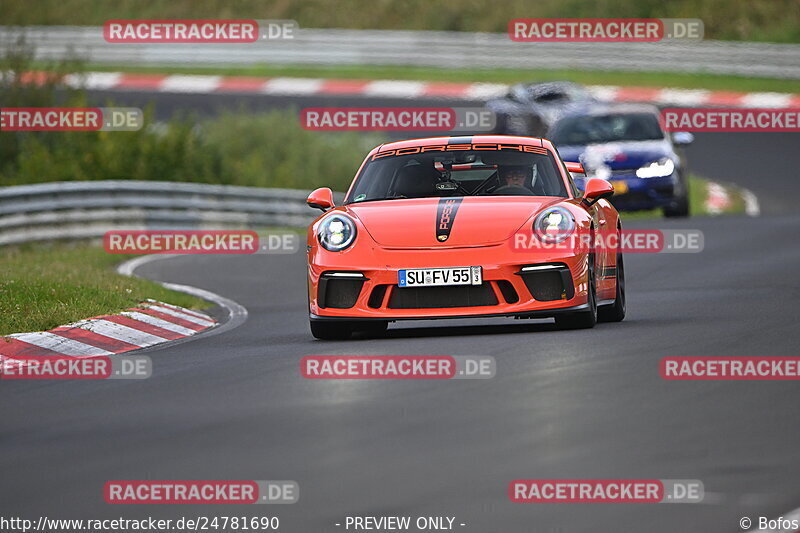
339	293
549	285
441	297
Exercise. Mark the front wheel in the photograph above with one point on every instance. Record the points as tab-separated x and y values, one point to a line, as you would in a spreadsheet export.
679	210
582	319
615	312
680	207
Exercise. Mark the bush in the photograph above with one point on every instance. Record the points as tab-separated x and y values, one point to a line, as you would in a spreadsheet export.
273	150
236	148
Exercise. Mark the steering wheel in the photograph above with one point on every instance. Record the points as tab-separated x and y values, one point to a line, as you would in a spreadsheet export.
513	190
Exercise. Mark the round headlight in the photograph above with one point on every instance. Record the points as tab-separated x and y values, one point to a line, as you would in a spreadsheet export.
336	233
554	225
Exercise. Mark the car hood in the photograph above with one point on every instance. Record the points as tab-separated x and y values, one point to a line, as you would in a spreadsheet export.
468	221
619	155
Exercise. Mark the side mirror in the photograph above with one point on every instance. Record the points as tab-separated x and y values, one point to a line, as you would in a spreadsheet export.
597	189
682	138
321	198
575	168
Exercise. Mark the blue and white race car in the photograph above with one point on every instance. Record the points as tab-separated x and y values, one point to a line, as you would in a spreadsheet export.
626	145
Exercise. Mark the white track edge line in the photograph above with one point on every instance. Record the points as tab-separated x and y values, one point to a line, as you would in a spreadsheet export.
237	313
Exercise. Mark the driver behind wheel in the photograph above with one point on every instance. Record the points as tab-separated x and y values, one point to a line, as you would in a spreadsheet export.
514	179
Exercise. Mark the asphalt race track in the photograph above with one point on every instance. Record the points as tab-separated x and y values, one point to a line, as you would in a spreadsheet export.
564	404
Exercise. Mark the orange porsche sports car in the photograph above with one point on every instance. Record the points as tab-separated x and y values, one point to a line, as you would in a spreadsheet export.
462	227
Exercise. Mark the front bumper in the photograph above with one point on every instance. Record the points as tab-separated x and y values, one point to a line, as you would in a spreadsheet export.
542	313
506	290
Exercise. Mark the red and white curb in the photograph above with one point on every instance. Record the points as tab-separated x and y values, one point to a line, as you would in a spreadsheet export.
150	324
718	200
139	327
199	84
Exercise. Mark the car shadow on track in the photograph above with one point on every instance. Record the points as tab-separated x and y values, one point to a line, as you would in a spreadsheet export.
460	331
483	329
468	330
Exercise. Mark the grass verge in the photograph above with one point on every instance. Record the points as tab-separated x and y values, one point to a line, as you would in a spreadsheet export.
46	286
718	82
705	201
698	200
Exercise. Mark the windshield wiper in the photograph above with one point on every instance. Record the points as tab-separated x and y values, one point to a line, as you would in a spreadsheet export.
396	197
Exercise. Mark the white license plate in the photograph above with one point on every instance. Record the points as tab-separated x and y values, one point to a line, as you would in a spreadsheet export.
439	277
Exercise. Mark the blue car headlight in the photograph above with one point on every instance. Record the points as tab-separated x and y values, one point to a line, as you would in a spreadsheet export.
657	169
336	232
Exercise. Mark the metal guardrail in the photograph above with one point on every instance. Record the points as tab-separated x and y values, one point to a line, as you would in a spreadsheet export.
88	209
424	48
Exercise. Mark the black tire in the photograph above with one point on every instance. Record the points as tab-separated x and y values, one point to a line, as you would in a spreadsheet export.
582	319
680	207
331	330
615	312
679	210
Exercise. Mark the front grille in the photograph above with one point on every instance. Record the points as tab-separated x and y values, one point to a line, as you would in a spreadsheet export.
338	293
549	285
441	297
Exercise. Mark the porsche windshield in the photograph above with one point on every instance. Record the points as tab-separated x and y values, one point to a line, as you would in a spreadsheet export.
458	173
580	130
